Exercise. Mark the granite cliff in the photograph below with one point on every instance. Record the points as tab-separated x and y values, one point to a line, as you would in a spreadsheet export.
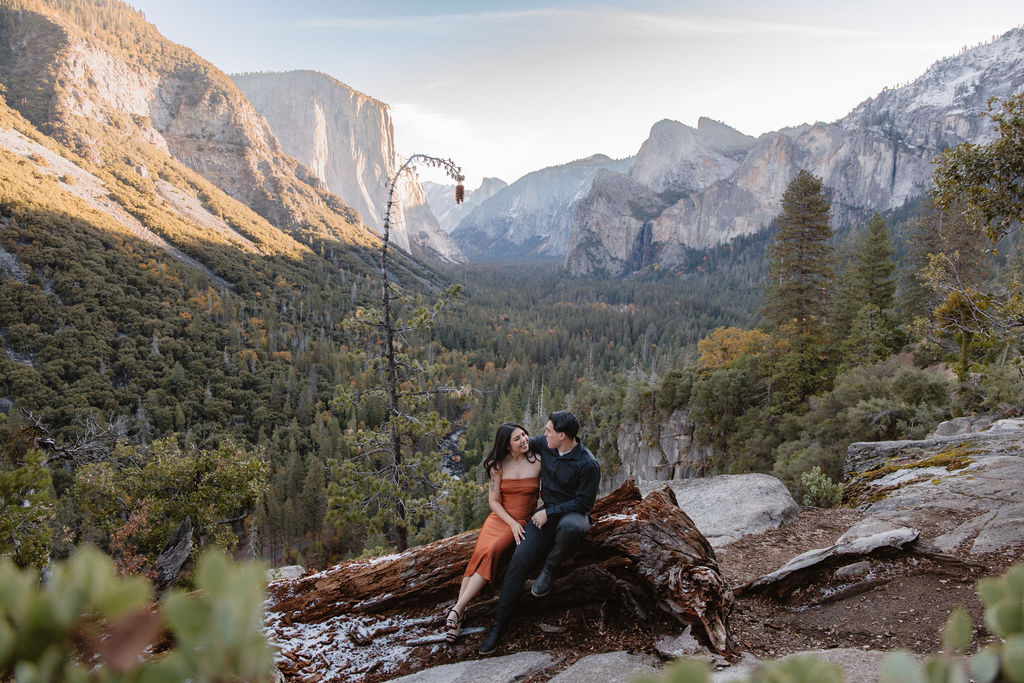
698	188
106	84
347	140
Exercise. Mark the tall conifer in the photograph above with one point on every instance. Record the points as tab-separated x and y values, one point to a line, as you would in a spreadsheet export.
867	279
875	267
800	259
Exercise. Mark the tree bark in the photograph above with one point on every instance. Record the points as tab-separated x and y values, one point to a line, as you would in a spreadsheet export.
173	556
643	553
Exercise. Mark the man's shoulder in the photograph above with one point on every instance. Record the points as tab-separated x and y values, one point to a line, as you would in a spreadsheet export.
589	459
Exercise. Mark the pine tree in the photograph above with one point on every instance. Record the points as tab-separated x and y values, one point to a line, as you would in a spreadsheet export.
797	296
863	325
874	266
800	260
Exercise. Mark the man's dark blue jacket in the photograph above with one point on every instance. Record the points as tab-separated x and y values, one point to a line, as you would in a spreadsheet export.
568	483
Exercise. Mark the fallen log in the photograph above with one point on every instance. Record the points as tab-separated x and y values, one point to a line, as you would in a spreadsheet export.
643	553
800	570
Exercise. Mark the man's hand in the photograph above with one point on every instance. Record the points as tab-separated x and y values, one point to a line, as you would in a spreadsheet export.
539	518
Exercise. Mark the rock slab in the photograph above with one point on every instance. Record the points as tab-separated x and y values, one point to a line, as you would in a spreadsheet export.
497	669
730	506
608	667
859	666
961	490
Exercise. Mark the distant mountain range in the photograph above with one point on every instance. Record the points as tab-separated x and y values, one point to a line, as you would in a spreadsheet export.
694	188
449	214
312	157
531	219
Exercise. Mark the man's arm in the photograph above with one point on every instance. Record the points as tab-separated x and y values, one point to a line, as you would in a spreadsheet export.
586	494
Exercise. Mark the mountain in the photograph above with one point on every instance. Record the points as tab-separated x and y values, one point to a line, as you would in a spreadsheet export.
106	84
676	157
532	217
347	140
448	213
690	189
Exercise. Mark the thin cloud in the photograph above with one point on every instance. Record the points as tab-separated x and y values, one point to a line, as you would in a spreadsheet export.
422	23
604	20
668	24
439	85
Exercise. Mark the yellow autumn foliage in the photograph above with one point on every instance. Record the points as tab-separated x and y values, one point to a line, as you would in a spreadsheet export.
725	345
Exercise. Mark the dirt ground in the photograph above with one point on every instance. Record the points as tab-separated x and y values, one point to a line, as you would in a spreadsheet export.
902	604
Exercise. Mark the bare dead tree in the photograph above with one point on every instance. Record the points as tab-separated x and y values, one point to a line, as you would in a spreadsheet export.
383	449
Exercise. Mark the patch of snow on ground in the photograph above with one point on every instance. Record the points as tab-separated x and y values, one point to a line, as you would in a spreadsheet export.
348	647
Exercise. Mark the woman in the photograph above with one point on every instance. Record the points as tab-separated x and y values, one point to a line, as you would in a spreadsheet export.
514	473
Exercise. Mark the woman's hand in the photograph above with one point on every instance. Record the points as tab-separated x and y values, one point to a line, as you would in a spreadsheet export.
517	531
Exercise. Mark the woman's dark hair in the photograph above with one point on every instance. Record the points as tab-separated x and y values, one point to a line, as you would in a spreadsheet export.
502	444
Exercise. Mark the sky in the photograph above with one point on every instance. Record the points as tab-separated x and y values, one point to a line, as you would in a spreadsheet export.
505	88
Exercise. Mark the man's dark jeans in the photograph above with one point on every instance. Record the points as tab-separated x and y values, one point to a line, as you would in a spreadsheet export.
555	540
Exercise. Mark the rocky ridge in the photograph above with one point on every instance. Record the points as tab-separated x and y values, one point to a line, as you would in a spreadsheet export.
449	214
658	451
95	193
683	194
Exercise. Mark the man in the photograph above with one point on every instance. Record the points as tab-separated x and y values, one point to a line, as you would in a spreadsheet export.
569	479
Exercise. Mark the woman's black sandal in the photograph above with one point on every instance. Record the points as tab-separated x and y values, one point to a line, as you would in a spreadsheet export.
454	626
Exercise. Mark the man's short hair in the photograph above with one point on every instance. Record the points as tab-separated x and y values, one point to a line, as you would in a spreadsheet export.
565	422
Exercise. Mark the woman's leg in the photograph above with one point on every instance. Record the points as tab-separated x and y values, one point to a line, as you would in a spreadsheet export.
471	586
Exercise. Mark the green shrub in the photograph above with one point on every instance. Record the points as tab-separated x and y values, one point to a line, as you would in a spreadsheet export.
26	508
86	624
879	402
1002	390
819	489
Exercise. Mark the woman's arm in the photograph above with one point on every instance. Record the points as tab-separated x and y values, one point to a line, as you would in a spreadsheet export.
494	501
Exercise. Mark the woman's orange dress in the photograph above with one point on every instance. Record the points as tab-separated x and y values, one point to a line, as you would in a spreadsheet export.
519	498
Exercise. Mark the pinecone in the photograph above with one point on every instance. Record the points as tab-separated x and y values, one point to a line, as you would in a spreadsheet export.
460	193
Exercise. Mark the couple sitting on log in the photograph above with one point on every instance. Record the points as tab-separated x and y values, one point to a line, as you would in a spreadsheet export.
520	468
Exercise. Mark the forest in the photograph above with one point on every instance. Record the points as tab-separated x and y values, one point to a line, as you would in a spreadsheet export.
127	373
